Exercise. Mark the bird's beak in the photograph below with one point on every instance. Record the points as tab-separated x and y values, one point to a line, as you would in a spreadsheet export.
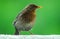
39	6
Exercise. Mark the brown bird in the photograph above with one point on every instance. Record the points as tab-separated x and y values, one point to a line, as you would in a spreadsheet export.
25	20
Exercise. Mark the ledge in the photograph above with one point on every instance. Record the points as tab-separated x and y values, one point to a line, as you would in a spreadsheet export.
29	36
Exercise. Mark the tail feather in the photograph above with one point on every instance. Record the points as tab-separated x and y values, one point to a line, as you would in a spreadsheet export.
16	31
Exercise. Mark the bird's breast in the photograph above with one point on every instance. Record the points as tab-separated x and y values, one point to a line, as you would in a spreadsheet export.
28	17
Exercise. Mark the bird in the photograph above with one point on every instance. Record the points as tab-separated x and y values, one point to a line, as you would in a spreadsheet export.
25	19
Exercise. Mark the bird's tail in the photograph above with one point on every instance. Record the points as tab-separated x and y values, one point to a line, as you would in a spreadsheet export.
16	31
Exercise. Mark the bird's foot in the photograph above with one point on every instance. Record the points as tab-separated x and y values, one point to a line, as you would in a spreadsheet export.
31	33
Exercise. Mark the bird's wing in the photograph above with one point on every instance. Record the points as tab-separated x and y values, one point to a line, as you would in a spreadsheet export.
21	13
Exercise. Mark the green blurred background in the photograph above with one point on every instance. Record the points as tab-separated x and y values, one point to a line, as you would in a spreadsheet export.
47	18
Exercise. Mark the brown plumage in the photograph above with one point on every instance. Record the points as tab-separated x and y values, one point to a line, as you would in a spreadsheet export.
25	20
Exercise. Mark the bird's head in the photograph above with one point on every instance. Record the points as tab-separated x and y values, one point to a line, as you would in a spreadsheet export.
33	7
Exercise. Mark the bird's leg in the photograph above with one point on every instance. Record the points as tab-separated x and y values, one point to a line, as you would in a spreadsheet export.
16	31
31	33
